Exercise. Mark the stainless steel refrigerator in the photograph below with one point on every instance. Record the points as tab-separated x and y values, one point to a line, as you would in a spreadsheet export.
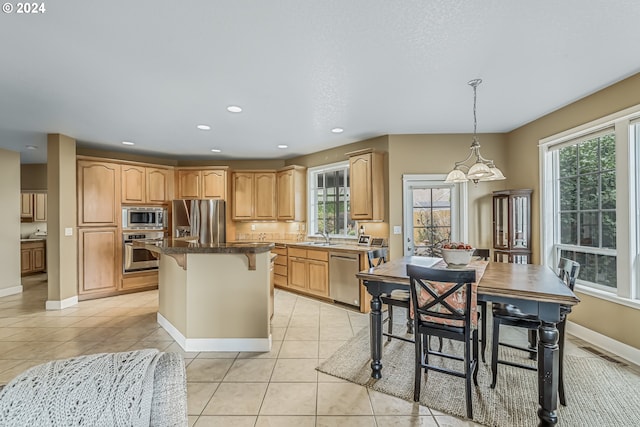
201	218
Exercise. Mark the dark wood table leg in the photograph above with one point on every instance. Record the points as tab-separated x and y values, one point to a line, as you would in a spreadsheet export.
375	340
548	373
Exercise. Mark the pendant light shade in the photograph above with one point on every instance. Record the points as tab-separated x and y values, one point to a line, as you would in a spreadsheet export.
481	169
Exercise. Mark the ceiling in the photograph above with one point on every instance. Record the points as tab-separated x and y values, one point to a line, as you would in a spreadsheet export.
149	71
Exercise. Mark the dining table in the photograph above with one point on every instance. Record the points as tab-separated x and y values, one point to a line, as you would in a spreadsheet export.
535	289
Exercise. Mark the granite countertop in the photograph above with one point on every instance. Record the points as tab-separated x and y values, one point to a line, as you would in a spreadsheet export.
320	245
171	246
34	239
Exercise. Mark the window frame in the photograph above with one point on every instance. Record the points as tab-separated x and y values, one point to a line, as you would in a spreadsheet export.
459	205
311	220
627	203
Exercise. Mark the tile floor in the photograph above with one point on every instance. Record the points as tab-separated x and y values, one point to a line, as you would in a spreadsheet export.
279	388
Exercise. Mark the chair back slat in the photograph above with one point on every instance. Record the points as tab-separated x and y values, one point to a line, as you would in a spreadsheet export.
568	271
448	297
483	254
377	257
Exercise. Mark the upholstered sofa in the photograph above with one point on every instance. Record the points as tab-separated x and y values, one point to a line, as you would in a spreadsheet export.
137	388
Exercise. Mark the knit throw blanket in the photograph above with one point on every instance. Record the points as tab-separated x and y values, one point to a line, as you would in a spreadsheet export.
109	389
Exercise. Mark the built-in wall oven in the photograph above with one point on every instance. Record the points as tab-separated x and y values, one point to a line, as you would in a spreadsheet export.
138	258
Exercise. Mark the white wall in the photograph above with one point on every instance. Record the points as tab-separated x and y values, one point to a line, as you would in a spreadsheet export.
10	223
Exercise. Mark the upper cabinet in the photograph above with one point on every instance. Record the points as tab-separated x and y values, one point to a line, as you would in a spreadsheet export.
26	206
146	184
33	207
99	196
291	186
133	184
201	183
366	172
159	185
40	207
254	195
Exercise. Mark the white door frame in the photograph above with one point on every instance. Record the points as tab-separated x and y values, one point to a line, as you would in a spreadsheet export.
459	207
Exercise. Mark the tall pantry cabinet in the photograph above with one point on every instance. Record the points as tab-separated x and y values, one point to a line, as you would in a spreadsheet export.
99	233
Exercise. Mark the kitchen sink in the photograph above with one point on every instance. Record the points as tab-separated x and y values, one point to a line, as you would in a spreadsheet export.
318	244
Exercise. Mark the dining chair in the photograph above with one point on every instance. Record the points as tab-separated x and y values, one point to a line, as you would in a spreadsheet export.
444	305
507	314
397	298
485	255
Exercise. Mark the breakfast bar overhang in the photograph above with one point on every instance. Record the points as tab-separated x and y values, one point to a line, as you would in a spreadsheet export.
215	297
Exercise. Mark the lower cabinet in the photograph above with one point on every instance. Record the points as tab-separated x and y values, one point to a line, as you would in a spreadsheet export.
139	280
280	267
33	257
308	271
99	261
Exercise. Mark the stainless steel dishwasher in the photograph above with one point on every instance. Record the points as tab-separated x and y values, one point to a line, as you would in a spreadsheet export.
343	284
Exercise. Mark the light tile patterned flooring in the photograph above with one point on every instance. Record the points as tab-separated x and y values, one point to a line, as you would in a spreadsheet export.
279	388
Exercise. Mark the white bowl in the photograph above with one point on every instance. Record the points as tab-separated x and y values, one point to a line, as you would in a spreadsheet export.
457	258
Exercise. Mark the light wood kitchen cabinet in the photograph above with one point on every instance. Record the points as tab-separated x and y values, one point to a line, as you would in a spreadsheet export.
99	185
133	184
139	280
291	189
99	260
40	207
159	185
280	267
145	184
201	183
33	257
214	184
26	206
366	174
254	195
33	207
265	195
308	271
242	188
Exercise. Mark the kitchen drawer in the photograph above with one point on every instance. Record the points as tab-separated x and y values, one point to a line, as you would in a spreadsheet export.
280	250
280	269
280	280
297	252
281	260
318	255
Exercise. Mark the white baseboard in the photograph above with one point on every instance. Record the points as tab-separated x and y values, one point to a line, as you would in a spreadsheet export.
215	344
623	350
61	305
5	292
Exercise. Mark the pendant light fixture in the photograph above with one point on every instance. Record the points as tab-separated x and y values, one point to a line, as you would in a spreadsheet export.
482	169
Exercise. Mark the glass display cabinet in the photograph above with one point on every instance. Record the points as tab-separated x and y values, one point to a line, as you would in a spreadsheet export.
512	226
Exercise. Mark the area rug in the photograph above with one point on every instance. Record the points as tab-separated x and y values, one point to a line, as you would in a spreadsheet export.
599	393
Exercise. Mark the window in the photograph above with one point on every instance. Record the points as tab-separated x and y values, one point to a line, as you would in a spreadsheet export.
585	189
590	204
329	207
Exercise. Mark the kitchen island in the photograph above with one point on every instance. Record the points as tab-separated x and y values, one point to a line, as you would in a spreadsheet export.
215	297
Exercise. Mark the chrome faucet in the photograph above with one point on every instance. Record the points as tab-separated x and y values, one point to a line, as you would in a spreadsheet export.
325	234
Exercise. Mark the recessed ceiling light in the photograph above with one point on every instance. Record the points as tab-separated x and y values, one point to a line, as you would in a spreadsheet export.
31	147
234	109
283	146
128	143
215	150
337	130
204	127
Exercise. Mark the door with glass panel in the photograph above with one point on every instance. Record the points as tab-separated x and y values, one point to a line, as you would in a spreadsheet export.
431	216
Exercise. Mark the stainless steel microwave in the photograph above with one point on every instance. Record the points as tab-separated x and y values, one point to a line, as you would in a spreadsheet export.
144	218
